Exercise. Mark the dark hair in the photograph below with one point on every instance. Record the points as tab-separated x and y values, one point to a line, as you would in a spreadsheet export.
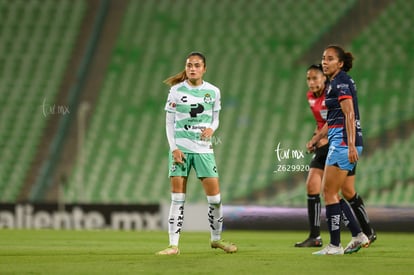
199	55
181	76
343	56
315	67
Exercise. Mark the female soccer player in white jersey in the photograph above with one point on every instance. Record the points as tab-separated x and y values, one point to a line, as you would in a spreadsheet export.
316	81
345	145
192	108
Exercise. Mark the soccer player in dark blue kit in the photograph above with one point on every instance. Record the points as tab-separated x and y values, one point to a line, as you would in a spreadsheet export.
345	146
316	81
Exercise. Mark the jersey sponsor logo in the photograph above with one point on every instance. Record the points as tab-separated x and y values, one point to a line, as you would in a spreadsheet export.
324	114
342	86
184	99
195	120
312	102
194	127
196	109
329	90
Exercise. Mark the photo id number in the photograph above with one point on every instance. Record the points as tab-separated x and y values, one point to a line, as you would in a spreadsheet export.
291	168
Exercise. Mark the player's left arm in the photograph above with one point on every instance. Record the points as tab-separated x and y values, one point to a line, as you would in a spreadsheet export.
347	107
208	132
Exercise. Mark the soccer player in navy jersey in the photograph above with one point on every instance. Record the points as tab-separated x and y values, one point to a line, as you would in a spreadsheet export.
316	81
192	116
345	146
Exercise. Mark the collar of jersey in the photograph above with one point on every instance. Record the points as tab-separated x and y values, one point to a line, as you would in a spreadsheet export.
193	87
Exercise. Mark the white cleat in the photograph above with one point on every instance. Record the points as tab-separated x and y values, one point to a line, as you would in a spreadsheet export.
330	249
361	240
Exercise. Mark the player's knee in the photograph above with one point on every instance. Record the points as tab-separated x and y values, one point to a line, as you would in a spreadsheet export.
348	194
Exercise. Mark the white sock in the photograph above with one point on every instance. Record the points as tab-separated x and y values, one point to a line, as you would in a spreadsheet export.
215	216
176	217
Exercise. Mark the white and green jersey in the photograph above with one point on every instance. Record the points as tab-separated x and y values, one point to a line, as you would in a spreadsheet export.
193	108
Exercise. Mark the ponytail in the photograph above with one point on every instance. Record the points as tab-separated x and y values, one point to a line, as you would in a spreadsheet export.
175	79
348	58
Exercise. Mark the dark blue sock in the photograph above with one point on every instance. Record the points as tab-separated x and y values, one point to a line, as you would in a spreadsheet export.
333	217
357	204
349	218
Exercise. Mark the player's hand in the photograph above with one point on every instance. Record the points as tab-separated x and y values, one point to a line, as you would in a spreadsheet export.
310	146
206	134
178	156
352	154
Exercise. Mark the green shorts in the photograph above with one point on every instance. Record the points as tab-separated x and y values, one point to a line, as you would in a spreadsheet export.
204	165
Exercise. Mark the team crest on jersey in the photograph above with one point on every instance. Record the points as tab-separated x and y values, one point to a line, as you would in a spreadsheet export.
207	98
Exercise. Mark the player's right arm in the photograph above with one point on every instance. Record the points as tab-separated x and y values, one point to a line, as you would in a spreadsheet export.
178	155
170	109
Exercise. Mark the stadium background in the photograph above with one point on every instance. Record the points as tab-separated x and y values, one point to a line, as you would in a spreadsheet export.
82	119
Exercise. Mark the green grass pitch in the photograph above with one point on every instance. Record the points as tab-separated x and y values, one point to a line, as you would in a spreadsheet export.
260	252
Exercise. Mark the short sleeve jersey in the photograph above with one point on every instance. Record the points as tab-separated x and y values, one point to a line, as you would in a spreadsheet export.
318	108
193	108
340	88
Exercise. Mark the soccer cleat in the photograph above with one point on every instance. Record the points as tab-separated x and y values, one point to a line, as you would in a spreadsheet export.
361	240
330	249
171	250
228	247
372	237
310	242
